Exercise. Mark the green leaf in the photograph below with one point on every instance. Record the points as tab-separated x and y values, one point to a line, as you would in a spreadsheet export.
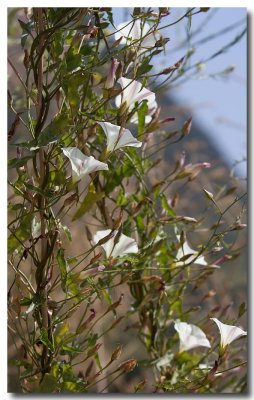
63	268
110	17
142	111
74	386
57	44
97	360
106	296
26	30
144	68
25	301
54	130
44	193
57	178
86	50
49	384
18	162
89	201
69	350
67	232
242	310
116	176
91	283
71	86
104	25
61	332
15	207
73	61
45	340
121	199
166	206
21	234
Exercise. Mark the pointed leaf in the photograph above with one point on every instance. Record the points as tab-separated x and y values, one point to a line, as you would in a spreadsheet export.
89	201
63	268
54	130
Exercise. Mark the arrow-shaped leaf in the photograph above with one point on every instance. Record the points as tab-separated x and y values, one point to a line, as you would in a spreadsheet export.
89	201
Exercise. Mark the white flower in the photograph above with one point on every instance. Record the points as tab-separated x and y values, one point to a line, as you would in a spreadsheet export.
125	244
191	336
132	93
82	165
228	333
135	30
118	137
185	250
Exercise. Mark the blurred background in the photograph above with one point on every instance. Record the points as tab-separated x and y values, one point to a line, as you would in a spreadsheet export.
214	93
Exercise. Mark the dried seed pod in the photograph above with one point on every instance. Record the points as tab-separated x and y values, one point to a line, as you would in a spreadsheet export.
117	352
87	321
128	365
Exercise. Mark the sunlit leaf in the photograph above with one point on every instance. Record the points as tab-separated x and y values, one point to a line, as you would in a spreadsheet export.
89	201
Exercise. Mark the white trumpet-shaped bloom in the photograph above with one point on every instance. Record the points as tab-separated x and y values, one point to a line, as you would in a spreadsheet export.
228	333
186	250
125	244
191	336
118	137
82	165
133	92
131	31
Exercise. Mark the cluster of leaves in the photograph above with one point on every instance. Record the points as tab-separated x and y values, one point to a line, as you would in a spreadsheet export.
69	55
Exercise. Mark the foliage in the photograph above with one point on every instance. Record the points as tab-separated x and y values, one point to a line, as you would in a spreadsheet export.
62	305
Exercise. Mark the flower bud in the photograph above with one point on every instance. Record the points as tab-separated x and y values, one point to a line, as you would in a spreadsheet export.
112	74
187	127
128	365
94	350
117	352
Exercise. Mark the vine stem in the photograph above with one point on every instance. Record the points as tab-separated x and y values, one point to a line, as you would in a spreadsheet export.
42	284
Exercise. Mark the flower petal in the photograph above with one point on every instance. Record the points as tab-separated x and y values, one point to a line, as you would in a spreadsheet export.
191	336
125	244
228	333
133	92
187	250
128	31
118	137
81	164
131	31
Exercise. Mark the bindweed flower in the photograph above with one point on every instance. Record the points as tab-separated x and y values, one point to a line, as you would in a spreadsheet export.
228	334
124	245
184	251
131	31
112	74
191	336
132	93
118	137
82	165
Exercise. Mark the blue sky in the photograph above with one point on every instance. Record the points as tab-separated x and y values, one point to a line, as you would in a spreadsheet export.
218	103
